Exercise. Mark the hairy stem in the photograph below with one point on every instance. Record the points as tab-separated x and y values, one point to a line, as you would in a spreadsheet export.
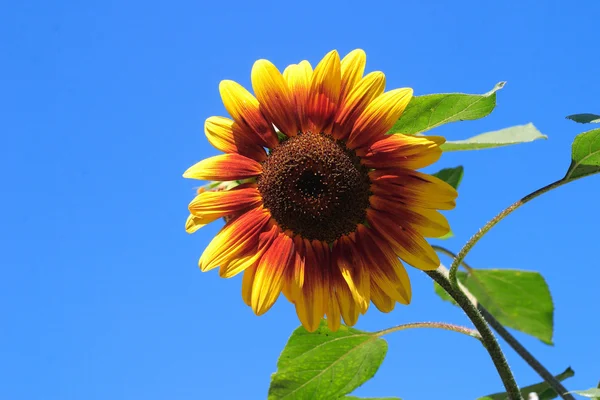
511	340
469	245
438	325
526	355
487	337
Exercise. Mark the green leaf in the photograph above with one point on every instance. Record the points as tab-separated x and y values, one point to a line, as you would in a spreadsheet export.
452	176
518	299
503	137
585	118
368	398
325	364
543	390
593	393
585	155
427	112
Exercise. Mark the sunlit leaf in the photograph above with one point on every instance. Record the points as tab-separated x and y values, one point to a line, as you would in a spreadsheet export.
427	112
585	118
517	299
543	389
368	398
585	155
593	393
503	137
325	364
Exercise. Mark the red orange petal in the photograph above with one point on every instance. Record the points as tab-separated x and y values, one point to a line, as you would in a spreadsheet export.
385	268
225	167
270	273
379	117
355	102
382	301
245	110
276	100
324	92
352	70
298	77
236	238
404	151
230	137
348	307
353	270
209	206
428	223
407	244
309	299
412	187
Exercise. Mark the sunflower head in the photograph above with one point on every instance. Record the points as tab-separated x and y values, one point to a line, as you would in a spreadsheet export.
319	202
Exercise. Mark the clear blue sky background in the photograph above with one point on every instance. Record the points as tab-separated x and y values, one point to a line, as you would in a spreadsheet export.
102	107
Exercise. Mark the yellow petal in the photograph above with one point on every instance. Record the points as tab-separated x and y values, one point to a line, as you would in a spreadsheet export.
210	206
406	243
382	301
225	167
403	151
367	89
298	77
230	137
245	110
348	307
276	100
247	282
324	93
236	238
269	278
192	224
352	69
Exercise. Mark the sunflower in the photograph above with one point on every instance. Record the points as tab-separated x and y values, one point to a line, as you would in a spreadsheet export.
320	203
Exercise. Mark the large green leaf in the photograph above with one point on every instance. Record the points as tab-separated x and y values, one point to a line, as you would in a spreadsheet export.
427	112
503	137
517	299
585	118
543	390
325	364
452	176
585	155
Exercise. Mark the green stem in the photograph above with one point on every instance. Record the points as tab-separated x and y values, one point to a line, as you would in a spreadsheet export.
510	339
526	355
438	325
469	245
487	337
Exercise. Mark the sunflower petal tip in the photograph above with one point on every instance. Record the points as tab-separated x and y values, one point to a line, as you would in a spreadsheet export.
333	54
224	83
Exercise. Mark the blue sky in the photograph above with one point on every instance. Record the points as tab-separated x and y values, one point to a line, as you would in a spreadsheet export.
103	105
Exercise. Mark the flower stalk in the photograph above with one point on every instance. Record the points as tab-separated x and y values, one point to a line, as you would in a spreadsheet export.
487	337
537	366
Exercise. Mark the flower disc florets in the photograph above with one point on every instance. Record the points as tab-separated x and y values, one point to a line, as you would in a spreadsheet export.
315	187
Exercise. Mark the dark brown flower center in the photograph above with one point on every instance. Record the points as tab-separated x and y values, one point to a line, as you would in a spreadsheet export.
315	187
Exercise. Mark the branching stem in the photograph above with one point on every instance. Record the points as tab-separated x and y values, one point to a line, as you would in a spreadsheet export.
438	325
487	337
